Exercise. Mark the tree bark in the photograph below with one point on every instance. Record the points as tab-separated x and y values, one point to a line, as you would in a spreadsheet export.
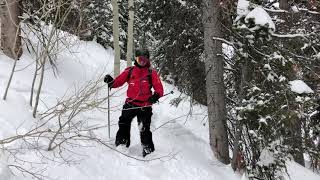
10	79
244	79
42	64
116	33
10	10
214	81
33	84
297	142
130	33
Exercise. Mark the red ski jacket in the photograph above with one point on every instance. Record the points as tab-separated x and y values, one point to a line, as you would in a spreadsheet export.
139	90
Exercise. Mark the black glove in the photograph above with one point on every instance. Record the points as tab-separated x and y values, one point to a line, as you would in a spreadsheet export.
154	98
109	80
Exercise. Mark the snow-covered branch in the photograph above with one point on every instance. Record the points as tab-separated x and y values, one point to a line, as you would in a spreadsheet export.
289	35
224	40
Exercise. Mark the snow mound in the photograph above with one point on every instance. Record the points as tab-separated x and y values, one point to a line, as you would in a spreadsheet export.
243	8
266	158
296	171
261	18
300	87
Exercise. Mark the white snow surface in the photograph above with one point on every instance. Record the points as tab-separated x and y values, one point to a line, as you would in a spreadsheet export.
243	8
181	139
300	87
298	172
266	158
261	17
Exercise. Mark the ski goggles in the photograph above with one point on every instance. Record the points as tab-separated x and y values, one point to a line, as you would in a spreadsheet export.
141	60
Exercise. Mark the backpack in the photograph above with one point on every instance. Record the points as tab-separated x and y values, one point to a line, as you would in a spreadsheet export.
149	76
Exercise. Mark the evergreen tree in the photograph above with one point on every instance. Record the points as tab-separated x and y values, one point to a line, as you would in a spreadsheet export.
270	114
177	33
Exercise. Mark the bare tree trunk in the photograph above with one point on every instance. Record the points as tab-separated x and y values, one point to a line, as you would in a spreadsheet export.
10	79
214	81
33	83
10	10
42	64
116	37
130	33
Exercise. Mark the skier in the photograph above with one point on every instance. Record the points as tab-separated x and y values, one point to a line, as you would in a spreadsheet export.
140	78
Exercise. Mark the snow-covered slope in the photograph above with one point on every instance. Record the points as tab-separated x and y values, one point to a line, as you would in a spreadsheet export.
180	133
180	136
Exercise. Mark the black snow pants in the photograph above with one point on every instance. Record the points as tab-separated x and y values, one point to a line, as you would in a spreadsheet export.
143	114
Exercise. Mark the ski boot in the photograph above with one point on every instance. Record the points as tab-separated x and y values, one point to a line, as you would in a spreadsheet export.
125	142
146	151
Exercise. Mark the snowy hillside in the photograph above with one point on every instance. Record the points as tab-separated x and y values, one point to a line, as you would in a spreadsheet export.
180	133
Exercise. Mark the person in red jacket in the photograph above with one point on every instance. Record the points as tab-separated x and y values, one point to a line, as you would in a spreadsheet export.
140	78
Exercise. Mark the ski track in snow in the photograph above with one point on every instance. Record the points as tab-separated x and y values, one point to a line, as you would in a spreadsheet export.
181	139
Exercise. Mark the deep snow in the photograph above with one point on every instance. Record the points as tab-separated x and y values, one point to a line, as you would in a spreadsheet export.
300	87
180	133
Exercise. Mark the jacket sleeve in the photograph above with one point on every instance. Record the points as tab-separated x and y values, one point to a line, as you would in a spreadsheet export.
156	83
121	79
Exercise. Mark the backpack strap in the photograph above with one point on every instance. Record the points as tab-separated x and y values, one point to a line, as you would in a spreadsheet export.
150	78
129	73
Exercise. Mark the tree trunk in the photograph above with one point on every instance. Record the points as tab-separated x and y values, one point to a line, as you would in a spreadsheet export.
116	33
214	81
295	126
297	142
244	79
10	10
42	64
10	79
33	84
130	33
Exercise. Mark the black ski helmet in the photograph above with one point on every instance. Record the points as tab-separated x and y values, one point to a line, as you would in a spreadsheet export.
143	52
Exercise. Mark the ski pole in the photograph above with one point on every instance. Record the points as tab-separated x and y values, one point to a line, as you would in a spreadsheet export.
171	92
109	111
